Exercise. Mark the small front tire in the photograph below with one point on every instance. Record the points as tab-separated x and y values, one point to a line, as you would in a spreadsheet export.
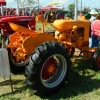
96	60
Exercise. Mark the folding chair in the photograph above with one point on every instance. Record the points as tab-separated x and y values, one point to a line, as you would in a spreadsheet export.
4	64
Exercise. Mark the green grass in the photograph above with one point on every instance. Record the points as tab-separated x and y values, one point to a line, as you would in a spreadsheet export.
84	84
47	27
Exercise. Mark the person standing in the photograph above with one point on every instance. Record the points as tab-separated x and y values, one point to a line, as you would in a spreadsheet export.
81	15
93	15
95	29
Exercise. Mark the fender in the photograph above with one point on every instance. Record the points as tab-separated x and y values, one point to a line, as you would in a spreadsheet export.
13	37
31	43
33	40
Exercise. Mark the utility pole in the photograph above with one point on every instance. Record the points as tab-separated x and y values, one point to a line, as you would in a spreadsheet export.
17	8
76	2
38	3
81	5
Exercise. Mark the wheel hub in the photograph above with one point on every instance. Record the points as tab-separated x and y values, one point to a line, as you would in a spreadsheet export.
49	68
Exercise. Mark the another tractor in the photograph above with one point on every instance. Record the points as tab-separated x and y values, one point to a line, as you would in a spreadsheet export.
51	13
45	57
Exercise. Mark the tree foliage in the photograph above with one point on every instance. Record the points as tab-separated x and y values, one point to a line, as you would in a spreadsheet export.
71	7
26	3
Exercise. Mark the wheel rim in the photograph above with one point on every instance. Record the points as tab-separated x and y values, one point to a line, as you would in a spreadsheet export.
57	70
60	16
22	63
98	61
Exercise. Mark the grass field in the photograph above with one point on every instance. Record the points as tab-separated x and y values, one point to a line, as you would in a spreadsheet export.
83	84
48	27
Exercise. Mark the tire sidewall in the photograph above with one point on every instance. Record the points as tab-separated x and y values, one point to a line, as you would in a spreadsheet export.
41	86
94	60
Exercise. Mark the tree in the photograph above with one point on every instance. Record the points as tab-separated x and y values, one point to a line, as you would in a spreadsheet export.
71	7
26	3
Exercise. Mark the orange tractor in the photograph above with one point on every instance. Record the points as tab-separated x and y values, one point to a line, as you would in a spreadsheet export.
46	56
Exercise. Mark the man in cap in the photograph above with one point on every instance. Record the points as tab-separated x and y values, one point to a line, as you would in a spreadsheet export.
93	15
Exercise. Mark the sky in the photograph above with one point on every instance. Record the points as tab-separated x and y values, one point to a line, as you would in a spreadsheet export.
64	3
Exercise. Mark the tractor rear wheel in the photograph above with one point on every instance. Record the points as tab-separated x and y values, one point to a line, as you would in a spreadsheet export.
48	68
71	51
96	60
60	15
15	68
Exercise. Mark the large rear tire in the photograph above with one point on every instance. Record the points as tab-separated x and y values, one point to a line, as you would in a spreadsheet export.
15	68
60	15
71	51
48	68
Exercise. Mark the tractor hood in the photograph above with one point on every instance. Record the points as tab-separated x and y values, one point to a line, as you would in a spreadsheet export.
16	19
65	25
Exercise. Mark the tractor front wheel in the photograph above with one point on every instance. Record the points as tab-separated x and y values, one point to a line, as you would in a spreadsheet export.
48	68
96	60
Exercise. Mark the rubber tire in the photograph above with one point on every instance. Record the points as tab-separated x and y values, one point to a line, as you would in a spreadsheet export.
94	60
72	51
61	14
48	17
7	39
45	15
36	61
14	69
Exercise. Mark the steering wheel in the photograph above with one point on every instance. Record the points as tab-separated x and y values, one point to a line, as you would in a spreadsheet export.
36	11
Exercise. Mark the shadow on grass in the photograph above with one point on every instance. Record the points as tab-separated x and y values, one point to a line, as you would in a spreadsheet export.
82	80
13	82
16	89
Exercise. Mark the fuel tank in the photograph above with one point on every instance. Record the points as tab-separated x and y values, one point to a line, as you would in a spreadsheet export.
62	25
65	25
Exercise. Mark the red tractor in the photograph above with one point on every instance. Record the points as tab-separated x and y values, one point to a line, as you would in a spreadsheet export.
10	15
25	21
